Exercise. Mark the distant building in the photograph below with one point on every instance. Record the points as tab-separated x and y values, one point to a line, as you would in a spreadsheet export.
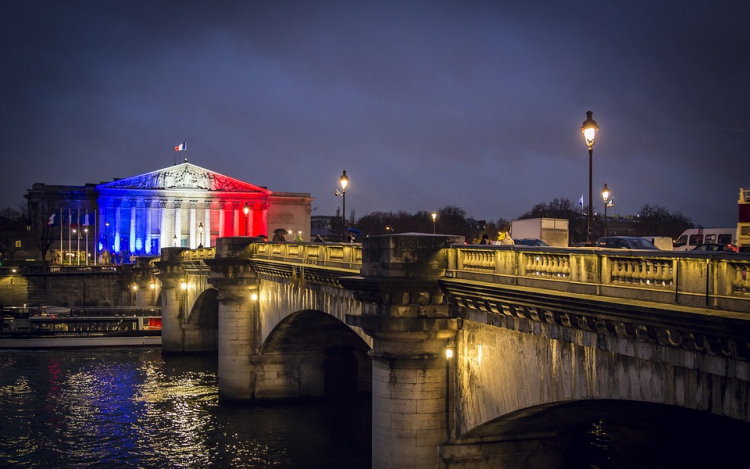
182	205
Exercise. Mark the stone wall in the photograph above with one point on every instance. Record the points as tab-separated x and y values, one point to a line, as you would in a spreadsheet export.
60	289
502	370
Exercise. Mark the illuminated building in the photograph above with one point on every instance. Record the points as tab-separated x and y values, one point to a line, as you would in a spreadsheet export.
183	205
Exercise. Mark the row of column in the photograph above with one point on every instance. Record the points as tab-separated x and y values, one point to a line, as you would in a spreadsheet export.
170	231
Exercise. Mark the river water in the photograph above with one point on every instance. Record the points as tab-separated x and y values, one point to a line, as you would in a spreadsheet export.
133	408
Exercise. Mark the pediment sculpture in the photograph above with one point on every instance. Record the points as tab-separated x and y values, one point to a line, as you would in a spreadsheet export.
183	176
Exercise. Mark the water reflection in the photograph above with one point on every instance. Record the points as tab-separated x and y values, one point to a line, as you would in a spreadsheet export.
133	408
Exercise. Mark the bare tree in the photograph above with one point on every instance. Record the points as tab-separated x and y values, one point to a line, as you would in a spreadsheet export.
38	213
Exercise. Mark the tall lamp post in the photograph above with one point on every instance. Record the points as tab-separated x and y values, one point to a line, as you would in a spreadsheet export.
589	129
434	221
200	235
246	210
344	180
605	197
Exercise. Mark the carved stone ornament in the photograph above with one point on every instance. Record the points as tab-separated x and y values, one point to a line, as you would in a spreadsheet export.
184	176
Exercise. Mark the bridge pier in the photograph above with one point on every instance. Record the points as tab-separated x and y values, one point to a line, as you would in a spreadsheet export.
239	335
411	327
410	384
173	301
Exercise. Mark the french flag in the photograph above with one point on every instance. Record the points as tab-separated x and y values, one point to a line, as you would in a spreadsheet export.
181	147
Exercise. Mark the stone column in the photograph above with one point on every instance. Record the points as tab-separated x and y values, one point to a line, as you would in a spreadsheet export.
102	231
207	225
147	237
177	223
163	232
117	226
249	219
411	327
222	221
260	223
192	228
236	217
131	235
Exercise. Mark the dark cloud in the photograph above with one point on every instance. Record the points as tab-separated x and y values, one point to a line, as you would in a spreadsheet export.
425	104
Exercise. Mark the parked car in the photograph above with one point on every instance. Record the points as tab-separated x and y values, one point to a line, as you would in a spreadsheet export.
625	242
716	247
529	242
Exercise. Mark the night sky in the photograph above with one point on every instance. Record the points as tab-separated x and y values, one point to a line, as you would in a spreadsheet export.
476	104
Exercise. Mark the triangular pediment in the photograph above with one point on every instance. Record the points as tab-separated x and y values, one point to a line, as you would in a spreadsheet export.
183	176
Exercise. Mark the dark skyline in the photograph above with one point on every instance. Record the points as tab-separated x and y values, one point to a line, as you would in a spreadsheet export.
475	104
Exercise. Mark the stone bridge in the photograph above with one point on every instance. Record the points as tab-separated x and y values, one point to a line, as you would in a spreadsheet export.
481	356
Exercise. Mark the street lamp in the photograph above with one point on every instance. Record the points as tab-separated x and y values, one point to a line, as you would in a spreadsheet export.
344	180
200	235
434	220
605	197
589	130
246	210
78	246
86	230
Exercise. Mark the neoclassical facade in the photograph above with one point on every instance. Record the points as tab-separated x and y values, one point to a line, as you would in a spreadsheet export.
182	205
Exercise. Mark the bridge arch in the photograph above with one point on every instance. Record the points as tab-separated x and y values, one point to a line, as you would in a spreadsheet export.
316	353
205	309
601	433
201	324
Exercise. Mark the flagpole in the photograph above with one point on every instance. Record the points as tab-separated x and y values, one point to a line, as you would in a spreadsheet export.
86	217
96	238
62	246
70	245
78	237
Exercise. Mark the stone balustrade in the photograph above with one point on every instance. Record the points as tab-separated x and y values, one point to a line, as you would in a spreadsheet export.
714	280
346	256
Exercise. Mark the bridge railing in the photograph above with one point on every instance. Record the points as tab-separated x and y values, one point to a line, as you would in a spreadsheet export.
713	280
198	254
344	256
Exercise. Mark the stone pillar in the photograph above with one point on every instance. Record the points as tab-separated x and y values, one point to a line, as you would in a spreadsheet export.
174	301
236	217
206	241
163	232
102	231
192	227
260	220
238	324
249	225
117	226
222	220
147	237
177	223
410	323
131	235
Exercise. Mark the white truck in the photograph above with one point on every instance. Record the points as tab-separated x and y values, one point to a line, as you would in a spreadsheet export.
553	231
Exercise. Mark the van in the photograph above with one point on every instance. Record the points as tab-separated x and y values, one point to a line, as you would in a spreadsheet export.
692	237
665	243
